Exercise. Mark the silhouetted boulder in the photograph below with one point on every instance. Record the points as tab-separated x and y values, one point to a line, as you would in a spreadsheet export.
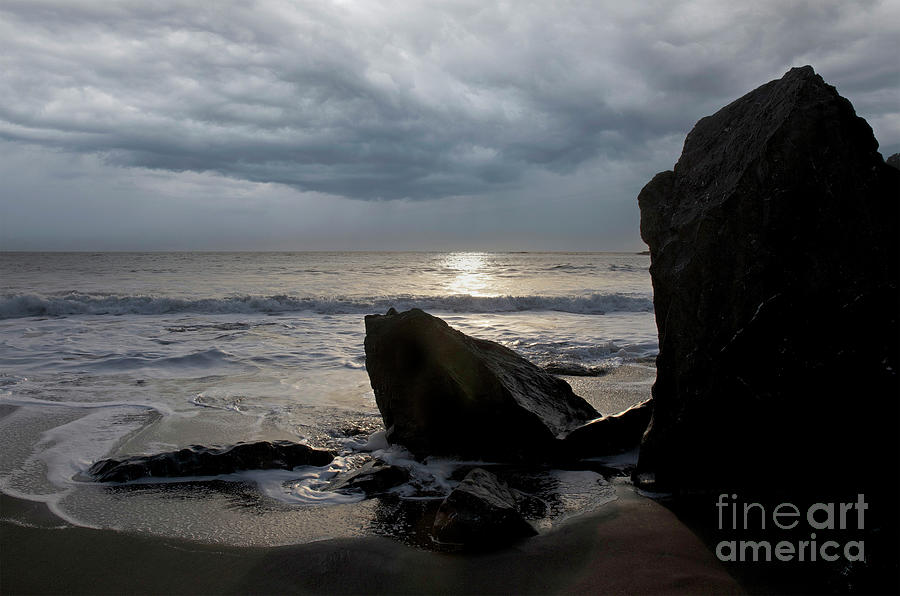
441	392
197	460
774	246
373	478
611	434
480	513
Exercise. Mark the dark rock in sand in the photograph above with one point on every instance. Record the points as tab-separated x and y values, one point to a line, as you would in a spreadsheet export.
529	505
482	512
197	460
574	370
441	392
374	478
774	246
612	434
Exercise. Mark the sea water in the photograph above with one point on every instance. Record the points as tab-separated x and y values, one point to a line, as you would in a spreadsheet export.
117	354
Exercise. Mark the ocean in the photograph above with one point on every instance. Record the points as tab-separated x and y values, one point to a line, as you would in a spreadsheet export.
116	354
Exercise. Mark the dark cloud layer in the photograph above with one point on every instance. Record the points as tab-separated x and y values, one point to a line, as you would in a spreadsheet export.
402	100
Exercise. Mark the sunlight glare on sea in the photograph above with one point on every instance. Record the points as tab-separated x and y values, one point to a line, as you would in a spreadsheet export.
471	275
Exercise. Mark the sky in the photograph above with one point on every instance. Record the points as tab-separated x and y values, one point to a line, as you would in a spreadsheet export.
364	125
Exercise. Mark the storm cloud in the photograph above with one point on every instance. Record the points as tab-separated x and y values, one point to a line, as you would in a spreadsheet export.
413	101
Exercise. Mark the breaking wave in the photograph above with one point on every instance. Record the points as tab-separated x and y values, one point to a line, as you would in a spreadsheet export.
75	303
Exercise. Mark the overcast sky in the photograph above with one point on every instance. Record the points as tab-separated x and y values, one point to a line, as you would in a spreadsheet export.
469	125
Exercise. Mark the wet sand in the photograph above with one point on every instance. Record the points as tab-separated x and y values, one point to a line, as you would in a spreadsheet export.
618	390
633	545
630	546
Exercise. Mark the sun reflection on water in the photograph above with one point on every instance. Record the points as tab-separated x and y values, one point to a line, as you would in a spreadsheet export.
472	274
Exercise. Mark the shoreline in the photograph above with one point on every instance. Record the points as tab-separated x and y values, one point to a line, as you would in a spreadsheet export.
631	545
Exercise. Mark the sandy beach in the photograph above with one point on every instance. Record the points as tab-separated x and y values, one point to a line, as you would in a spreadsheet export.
630	546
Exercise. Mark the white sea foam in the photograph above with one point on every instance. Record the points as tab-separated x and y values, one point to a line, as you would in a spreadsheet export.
75	303
302	486
114	355
61	447
27	524
162	408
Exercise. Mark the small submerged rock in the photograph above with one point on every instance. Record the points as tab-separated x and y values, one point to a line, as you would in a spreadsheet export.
374	478
198	460
482	512
441	392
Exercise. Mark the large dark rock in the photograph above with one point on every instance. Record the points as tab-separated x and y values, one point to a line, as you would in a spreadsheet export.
197	460
774	246
481	512
441	392
611	434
